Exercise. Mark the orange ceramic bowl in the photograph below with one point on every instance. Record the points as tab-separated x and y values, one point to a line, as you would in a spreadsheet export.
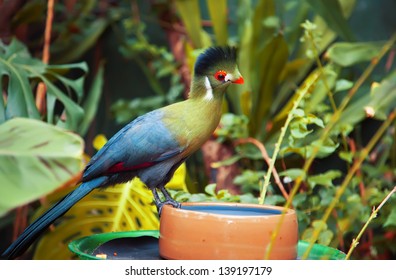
226	231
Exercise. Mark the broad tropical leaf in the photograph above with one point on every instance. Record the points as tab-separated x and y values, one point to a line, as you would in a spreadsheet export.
218	15
35	159
190	14
91	103
348	54
23	72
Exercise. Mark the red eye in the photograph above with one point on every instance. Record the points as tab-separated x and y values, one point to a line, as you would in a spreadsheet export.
220	75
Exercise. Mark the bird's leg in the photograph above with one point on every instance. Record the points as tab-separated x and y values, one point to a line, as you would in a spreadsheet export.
157	200
168	199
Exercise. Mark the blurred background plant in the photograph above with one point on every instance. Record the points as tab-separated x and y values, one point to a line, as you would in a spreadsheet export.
111	61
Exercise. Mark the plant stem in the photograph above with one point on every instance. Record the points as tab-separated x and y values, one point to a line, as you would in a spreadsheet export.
356	165
373	215
301	93
267	159
41	89
330	94
320	66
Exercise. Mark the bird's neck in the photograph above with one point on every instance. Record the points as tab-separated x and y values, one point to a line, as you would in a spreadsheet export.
201	89
195	119
205	105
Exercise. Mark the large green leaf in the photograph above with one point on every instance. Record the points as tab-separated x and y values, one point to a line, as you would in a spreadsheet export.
35	159
91	103
191	16
218	15
381	100
262	33
23	72
270	63
20	100
348	54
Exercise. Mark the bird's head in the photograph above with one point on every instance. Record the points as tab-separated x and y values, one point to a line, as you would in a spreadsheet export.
215	69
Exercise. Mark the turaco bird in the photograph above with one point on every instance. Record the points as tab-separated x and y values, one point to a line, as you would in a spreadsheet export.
152	146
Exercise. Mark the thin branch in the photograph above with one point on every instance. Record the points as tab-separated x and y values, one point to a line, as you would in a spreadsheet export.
373	215
41	88
267	159
300	94
362	188
135	11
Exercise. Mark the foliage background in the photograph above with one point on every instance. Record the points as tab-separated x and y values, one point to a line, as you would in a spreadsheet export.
121	59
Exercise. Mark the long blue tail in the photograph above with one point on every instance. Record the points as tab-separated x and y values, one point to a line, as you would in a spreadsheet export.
43	222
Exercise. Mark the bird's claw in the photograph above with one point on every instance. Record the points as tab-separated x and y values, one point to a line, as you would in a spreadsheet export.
167	202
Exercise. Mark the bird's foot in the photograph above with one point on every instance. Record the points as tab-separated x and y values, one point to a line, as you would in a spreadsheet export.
167	202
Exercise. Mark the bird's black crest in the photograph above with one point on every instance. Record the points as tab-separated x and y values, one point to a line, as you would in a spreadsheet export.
213	56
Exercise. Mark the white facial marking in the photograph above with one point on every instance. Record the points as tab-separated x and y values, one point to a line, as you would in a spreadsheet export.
209	90
229	77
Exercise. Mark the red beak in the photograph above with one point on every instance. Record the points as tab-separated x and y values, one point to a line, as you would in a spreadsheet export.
239	80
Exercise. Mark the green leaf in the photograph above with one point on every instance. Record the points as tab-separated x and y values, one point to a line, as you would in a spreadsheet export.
391	219
91	103
274	199
191	16
324	179
270	62
232	127
347	156
325	237
262	33
382	100
69	48
348	54
249	180
312	119
319	225
300	199
331	12
307	234
299	125
305	150
33	168
293	173
342	85
13	58
24	71
299	129
2	104
29	13
298	112
211	189
320	90
227	162
218	14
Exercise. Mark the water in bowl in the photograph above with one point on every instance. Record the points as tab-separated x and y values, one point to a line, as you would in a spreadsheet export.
232	210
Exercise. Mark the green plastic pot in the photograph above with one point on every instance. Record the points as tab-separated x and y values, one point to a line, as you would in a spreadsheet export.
86	248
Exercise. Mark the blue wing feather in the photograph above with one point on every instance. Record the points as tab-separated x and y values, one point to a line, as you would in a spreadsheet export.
144	140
